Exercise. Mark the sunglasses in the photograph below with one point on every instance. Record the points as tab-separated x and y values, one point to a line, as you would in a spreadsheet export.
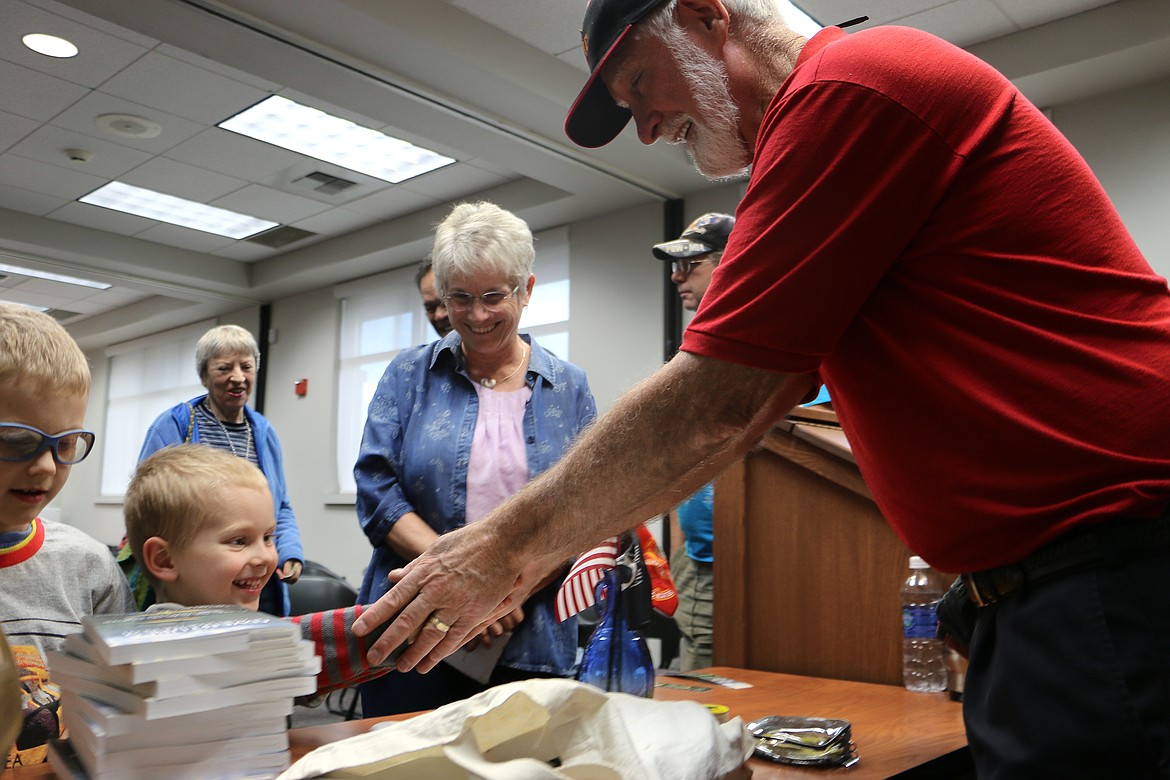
23	442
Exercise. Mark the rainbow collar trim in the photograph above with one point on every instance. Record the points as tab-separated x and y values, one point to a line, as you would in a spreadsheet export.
26	547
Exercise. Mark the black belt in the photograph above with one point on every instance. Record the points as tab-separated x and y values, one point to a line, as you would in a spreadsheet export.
1080	549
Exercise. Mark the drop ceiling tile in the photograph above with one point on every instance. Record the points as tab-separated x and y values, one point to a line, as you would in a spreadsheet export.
218	67
29	202
247	252
452	181
59	290
529	21
99	55
80	118
334	222
182	180
391	203
963	23
234	155
91	307
1033	13
182	89
35	95
119	295
13	128
46	179
101	218
267	203
108	160
185	238
101	25
19	295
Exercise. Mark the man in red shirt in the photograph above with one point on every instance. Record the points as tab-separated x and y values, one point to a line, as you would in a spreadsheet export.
919	236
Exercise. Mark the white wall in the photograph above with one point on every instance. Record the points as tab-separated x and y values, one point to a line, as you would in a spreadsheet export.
1125	137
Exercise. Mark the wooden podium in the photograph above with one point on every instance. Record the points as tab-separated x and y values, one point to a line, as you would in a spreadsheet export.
807	572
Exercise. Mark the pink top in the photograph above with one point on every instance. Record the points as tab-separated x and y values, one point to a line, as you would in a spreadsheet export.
498	465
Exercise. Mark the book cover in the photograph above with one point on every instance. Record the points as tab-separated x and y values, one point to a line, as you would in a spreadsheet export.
67	765
227	751
219	698
114	722
248	721
294	661
188	632
260	651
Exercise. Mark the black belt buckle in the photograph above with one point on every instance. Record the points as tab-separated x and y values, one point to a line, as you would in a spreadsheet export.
985	588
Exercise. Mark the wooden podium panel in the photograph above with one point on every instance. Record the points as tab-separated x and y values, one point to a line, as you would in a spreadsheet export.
807	572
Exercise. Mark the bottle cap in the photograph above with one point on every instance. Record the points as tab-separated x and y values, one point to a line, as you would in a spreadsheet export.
720	711
917	563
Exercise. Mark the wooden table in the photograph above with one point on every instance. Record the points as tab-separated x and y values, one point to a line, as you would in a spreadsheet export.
897	733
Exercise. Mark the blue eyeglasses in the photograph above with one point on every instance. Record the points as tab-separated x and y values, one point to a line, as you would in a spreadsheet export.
23	442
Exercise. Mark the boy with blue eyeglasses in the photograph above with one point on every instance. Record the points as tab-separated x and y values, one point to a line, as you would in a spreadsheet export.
51	574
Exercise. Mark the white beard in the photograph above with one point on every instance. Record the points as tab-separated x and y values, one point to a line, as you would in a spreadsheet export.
715	146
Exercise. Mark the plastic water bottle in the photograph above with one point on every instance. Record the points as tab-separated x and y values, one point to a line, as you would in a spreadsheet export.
924	666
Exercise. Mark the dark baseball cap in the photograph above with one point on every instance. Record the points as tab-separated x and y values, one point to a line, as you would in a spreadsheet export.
706	234
595	119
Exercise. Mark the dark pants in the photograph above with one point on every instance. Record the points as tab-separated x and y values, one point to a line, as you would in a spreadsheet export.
400	692
1071	678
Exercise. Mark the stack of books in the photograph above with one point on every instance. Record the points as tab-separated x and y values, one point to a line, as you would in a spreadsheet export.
201	692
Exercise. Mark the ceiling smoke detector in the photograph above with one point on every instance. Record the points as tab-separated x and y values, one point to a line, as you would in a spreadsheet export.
128	125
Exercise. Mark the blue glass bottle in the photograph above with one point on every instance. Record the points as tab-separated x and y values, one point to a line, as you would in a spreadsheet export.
616	657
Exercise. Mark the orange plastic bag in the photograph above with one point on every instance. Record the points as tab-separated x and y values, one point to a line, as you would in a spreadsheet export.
663	594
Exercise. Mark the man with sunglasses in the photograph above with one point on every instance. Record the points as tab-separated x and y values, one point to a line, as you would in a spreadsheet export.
51	574
694	255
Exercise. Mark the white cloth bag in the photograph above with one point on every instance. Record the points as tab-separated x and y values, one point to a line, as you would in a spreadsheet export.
538	729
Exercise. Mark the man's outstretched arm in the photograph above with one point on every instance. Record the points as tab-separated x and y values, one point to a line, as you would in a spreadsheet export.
663	440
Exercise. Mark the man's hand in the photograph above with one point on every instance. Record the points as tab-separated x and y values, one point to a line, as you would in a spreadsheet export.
454	591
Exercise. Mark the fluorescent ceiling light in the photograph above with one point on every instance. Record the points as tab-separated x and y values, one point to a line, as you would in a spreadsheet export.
800	22
16	269
26	305
49	45
309	131
176	211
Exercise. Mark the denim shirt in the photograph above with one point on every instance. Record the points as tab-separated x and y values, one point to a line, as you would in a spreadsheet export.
414	457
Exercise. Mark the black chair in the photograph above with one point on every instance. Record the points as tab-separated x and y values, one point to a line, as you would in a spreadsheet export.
317	593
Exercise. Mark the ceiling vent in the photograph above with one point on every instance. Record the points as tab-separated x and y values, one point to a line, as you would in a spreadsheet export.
280	236
323	183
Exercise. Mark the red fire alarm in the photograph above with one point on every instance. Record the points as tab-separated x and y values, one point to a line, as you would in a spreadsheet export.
301	387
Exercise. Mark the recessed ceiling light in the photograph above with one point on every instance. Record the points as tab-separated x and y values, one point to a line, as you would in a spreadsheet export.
50	45
309	131
21	271
175	211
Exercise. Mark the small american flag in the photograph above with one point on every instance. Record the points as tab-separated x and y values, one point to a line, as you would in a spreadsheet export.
576	592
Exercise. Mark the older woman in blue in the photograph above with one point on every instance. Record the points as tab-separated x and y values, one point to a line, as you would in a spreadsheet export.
457	426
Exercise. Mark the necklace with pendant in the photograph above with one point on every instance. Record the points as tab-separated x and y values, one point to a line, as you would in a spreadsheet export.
490	383
247	447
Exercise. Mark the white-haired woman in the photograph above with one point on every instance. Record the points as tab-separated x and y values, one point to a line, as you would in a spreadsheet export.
227	358
454	428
